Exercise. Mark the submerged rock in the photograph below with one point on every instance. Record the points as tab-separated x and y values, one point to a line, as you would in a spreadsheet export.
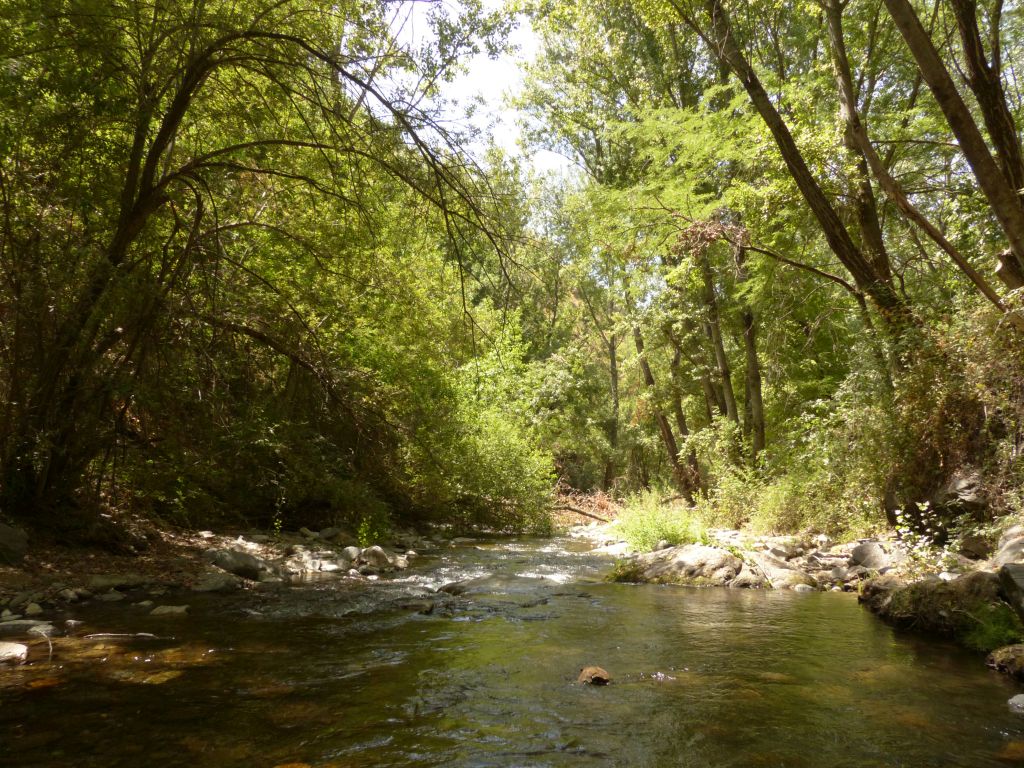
25	627
1017	704
217	582
593	676
169	610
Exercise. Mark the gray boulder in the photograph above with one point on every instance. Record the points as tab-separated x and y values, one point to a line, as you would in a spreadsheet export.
13	544
242	564
870	555
376	557
1011	547
689	564
1011	586
963	492
749	578
779	573
13	653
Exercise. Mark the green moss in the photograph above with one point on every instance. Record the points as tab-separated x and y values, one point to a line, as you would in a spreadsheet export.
626	572
968	609
992	626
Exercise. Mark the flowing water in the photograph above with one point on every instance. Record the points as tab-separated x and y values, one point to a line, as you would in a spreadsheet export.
393	674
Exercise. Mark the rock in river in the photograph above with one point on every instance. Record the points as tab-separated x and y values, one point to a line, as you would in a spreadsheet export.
1008	659
376	557
593	676
689	564
241	564
15	653
169	610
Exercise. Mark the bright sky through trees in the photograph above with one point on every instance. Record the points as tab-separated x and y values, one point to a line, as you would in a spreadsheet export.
486	86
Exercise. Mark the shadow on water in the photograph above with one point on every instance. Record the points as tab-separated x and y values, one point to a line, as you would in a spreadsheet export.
332	674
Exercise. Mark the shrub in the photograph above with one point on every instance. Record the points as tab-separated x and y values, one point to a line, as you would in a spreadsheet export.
645	521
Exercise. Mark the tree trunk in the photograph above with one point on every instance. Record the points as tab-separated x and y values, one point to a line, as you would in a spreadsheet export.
1001	195
857	138
613	427
714	329
692	469
880	289
667	438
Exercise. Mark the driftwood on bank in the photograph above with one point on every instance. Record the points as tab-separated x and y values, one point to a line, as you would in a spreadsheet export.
578	511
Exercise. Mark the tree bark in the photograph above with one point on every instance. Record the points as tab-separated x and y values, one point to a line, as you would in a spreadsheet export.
1001	195
664	427
754	402
880	289
714	328
856	133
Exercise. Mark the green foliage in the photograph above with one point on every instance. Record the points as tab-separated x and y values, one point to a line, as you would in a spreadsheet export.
993	626
645	521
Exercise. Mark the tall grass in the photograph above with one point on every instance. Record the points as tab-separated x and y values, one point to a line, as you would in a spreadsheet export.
645	521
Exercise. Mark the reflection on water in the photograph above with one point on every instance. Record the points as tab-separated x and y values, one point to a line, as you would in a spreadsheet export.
396	675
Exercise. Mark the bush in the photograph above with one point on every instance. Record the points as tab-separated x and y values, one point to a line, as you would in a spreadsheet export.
645	521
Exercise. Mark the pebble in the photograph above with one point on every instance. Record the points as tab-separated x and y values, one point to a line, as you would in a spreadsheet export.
33	609
112	596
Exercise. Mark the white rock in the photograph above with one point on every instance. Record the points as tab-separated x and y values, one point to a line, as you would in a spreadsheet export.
1017	704
13	653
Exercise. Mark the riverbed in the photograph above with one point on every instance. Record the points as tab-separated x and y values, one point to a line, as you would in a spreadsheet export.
394	673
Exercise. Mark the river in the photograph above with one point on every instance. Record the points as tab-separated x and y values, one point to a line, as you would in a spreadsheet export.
393	674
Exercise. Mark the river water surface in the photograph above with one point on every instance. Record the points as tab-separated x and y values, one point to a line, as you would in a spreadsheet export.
393	674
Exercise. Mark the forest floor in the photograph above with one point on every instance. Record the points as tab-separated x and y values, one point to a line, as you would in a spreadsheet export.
169	556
